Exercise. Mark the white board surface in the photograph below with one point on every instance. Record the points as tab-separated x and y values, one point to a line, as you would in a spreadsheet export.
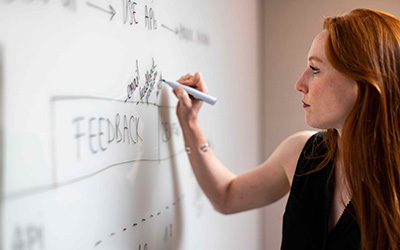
84	165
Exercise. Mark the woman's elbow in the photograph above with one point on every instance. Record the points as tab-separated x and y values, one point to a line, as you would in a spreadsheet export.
223	209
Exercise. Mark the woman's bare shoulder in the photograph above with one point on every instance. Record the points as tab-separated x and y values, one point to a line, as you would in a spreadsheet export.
290	149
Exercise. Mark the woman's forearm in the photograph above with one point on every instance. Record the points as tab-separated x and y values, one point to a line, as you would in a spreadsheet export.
213	177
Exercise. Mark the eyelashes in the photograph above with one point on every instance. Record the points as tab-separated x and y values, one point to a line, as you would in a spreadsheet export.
314	69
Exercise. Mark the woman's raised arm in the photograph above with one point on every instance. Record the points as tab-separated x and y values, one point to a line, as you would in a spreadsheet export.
227	192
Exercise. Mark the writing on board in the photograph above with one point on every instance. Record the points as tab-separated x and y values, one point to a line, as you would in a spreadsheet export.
188	34
151	81
120	130
130	17
91	134
95	139
66	4
148	87
132	86
28	237
150	19
130	11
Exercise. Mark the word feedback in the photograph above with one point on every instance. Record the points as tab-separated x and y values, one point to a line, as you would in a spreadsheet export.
100	133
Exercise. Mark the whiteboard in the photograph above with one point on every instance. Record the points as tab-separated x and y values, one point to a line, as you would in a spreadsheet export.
92	152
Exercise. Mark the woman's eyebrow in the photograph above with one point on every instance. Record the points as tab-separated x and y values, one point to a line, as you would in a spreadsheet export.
314	58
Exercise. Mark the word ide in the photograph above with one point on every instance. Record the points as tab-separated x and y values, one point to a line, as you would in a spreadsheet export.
100	133
129	12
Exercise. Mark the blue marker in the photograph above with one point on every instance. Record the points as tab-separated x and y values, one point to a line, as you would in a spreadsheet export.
194	92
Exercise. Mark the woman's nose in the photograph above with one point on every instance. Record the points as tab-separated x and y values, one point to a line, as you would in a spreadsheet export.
301	84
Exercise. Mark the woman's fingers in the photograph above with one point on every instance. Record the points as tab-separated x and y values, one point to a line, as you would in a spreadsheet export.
185	78
188	107
195	81
183	97
199	83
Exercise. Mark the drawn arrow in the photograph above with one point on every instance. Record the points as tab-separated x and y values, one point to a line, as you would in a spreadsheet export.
111	11
176	31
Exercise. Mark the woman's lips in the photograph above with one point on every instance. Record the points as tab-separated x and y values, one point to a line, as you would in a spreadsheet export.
305	105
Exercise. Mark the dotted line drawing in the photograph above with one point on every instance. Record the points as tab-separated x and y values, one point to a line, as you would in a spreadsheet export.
137	224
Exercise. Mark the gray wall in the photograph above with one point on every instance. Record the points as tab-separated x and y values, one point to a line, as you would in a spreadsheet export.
290	27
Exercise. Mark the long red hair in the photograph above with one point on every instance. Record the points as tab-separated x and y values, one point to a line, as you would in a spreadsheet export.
365	46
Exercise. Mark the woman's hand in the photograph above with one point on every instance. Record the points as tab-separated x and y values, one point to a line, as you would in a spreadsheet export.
188	107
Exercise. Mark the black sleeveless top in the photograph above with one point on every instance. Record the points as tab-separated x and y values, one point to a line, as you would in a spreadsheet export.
305	222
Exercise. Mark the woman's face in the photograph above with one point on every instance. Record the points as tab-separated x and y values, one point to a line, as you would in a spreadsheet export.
328	95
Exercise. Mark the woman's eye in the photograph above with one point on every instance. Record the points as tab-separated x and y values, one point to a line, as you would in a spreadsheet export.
314	69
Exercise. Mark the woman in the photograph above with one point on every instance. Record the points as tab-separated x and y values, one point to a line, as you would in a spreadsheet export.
344	182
